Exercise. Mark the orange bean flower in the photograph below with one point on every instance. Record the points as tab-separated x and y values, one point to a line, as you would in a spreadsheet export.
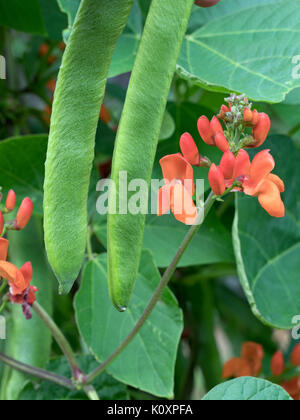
255	178
177	193
249	364
18	279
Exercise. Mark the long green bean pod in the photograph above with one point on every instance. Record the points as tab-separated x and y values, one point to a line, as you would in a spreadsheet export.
78	97
138	135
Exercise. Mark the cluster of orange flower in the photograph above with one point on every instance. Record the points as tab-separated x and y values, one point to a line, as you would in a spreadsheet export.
19	280
250	364
234	173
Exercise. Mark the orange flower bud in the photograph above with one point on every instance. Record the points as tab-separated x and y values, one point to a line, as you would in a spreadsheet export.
24	213
216	180
1	222
51	85
277	364
223	111
44	48
11	200
236	368
255	117
261	130
227	165
3	249
205	130
105	114
295	356
248	115
189	149
222	142
216	126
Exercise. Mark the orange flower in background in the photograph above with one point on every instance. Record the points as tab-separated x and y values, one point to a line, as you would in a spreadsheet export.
277	364
255	178
292	387
249	364
18	279
177	193
295	356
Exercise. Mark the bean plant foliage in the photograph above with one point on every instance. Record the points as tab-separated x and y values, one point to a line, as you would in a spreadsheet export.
191	292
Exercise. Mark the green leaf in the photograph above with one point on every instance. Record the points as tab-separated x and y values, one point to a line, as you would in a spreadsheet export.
127	46
103	328
54	20
22	167
247	389
267	249
236	50
70	7
22	15
163	236
106	386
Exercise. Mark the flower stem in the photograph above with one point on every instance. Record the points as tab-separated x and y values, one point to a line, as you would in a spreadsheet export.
158	293
60	339
36	372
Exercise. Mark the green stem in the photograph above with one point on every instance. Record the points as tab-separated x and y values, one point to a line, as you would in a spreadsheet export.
89	243
60	339
36	372
159	291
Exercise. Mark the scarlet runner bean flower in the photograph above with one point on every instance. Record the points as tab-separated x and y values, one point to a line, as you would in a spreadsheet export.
255	179
21	292
179	189
249	364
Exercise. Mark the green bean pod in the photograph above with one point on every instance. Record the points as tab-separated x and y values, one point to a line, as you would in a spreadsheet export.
77	102
28	341
138	136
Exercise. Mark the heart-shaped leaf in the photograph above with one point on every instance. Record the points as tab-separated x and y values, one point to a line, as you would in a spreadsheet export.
103	328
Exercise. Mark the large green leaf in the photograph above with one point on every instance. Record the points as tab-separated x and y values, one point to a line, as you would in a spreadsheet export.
22	15
22	167
148	361
247	389
267	249
106	386
164	235
246	49
38	17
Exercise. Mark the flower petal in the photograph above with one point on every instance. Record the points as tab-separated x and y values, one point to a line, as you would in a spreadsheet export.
278	181
205	130
189	149
227	165
242	165
216	180
3	248
262	165
269	198
27	272
14	276
182	205
176	167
